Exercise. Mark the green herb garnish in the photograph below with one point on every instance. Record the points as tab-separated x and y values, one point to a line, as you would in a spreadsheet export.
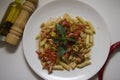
62	40
57	40
71	39
61	30
61	50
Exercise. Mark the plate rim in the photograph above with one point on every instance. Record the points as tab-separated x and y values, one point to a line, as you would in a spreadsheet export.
49	3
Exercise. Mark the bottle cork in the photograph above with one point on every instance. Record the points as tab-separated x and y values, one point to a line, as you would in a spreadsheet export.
14	36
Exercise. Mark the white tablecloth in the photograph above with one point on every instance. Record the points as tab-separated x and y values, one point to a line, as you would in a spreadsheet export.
13	65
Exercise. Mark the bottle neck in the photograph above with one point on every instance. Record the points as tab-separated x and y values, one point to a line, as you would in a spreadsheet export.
19	1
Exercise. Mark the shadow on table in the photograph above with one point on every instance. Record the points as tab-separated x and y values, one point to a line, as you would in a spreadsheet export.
36	75
2	44
93	78
113	54
9	48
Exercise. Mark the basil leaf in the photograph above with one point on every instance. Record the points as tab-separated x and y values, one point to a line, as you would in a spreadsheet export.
60	30
61	50
72	39
57	40
65	42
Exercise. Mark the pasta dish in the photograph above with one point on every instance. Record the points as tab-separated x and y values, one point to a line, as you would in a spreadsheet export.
65	43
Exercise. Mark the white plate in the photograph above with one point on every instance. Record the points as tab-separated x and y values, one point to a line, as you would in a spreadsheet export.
57	8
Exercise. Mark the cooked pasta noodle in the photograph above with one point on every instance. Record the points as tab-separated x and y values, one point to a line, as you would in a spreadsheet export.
65	43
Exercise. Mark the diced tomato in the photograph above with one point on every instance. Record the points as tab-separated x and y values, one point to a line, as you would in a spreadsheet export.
50	55
64	23
76	33
66	55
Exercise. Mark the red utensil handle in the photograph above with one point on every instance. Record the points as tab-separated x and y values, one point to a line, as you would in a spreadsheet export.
112	48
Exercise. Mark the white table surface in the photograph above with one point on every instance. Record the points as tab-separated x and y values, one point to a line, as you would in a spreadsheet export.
13	65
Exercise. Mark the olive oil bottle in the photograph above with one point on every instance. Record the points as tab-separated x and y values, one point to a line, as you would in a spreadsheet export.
9	18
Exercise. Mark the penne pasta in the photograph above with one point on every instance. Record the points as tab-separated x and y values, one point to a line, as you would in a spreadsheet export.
41	49
81	50
91	39
88	31
76	48
42	25
64	59
37	37
70	58
81	20
49	23
86	50
65	66
73	65
42	43
65	43
91	26
87	56
87	40
43	65
68	18
76	21
87	62
58	67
